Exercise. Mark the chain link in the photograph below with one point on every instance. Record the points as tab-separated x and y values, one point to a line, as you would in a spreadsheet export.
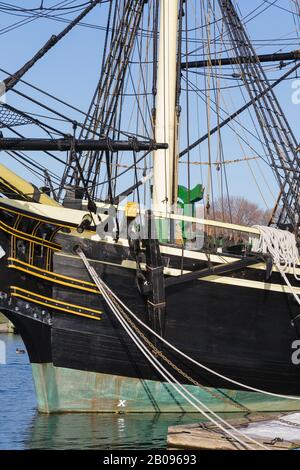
160	354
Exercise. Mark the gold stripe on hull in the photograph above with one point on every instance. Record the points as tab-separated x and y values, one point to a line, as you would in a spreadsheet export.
53	277
55	304
26	236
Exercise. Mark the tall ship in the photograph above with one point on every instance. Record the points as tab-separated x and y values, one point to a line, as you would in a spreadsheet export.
137	278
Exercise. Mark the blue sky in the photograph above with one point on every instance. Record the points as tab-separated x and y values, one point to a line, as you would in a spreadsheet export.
71	71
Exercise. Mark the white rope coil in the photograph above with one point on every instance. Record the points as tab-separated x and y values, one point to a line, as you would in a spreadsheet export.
281	245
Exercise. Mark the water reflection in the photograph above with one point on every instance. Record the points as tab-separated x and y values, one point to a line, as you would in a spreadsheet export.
17	396
102	431
21	427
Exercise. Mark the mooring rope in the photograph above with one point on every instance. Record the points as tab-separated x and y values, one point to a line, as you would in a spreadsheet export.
199	364
181	389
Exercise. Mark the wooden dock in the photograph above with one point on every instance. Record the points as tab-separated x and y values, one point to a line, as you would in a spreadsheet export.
276	431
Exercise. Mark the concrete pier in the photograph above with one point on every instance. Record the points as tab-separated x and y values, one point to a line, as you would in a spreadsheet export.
5	325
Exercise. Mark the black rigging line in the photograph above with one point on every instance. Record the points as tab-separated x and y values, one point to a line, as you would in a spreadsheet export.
131	167
279	138
204	99
34	120
87	25
31	163
110	27
56	18
65	118
144	86
281	7
239	111
116	66
12	81
245	20
155	58
45	151
259	13
212	102
88	118
10	7
187	105
60	114
37	174
32	16
28	20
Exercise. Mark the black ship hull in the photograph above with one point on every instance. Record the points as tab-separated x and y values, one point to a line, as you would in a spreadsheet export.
240	326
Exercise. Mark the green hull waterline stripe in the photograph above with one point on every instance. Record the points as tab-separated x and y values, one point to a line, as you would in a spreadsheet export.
68	390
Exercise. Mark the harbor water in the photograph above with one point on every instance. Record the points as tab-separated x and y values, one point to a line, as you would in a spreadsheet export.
21	427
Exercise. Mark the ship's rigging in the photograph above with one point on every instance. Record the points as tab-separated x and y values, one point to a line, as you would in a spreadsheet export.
174	79
278	135
213	51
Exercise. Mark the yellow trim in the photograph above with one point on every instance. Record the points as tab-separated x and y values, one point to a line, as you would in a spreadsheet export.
37	226
179	217
53	306
31	245
54	233
58	275
31	251
9	186
50	300
47	278
208	222
23	187
28	237
44	220
48	259
17	222
236	281
214	257
56	301
94	291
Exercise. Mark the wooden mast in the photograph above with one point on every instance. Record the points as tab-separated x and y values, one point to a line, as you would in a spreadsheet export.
164	161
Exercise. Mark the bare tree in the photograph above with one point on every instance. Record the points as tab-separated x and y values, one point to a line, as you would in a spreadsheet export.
239	210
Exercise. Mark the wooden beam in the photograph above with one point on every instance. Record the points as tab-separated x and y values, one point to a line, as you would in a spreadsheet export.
276	57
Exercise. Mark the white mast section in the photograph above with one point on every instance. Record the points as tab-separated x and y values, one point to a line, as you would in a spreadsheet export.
164	166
